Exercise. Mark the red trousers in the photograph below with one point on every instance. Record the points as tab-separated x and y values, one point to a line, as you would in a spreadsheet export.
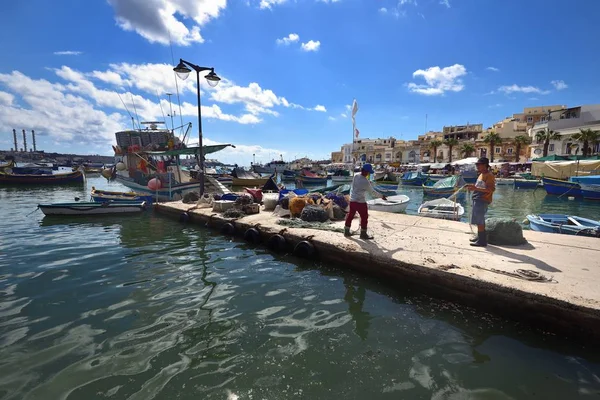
362	210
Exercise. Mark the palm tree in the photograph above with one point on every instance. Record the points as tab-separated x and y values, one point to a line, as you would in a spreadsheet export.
467	149
588	137
492	139
451	142
521	141
545	136
434	144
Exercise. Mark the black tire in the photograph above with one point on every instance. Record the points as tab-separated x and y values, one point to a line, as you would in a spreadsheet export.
252	235
277	243
304	249
228	229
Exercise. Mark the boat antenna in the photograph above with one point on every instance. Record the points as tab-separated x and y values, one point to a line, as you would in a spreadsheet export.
126	109
161	109
176	83
134	108
171	115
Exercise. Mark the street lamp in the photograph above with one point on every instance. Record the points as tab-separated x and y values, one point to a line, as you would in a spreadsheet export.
183	71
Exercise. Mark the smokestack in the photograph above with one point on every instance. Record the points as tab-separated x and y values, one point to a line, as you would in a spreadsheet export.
33	138
15	138
24	141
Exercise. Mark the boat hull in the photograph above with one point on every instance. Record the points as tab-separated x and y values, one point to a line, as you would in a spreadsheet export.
313	181
92	208
526	184
590	192
102	196
559	187
557	223
341	179
442	209
56	179
393	204
164	194
249	182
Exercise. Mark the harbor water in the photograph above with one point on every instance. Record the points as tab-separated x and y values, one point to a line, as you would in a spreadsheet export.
143	307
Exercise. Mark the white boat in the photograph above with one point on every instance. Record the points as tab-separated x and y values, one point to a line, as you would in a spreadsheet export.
393	204
92	208
442	208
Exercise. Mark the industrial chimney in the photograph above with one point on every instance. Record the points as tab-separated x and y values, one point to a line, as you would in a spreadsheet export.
24	141
33	138
15	138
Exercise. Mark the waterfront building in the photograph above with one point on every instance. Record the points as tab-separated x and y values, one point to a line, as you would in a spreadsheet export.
566	122
337	156
425	152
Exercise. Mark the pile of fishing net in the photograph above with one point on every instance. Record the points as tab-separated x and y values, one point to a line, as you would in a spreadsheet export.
298	223
504	231
234	213
191	197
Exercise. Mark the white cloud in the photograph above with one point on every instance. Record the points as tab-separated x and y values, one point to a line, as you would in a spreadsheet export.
329	1
445	3
331	118
311	45
6	98
493	69
439	80
242	154
109	77
320	108
410	2
269	3
348	107
160	20
68	53
383	10
521	89
291	38
343	115
559	84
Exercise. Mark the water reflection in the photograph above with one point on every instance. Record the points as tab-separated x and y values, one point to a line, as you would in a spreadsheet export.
355	297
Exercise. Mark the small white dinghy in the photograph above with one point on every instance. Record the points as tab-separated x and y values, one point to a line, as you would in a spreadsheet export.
393	204
93	208
442	208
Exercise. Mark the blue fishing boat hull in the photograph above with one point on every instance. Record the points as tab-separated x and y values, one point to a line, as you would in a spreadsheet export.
526	184
313	181
560	187
590	192
413	179
564	224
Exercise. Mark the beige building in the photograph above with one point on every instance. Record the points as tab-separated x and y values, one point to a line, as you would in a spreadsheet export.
337	156
425	152
534	115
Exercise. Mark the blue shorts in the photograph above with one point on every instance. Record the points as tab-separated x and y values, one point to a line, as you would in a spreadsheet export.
478	212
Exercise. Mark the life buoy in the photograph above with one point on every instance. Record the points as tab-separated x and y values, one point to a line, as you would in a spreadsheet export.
228	229
252	235
304	249
277	243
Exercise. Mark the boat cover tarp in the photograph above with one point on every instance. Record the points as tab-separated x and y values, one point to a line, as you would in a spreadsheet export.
438	166
447	182
465	161
243	174
188	151
412	175
564	169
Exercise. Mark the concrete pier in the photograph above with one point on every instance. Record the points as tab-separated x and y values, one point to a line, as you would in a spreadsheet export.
435	256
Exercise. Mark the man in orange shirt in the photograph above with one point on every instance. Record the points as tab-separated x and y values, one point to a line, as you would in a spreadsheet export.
482	190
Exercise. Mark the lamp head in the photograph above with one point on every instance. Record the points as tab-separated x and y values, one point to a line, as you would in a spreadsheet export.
182	71
212	79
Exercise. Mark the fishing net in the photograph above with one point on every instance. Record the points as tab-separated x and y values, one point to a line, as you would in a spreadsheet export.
338	199
312	213
338	213
298	223
504	231
244	200
233	213
190	197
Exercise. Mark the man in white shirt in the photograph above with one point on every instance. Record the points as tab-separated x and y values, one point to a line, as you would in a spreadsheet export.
358	201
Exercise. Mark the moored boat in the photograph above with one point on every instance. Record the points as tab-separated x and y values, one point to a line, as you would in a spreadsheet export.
341	176
504	181
92	208
310	178
560	187
590	192
100	196
526	183
564	224
393	204
442	209
240	177
41	179
415	178
443	188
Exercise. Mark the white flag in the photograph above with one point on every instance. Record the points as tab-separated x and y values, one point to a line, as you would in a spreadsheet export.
354	108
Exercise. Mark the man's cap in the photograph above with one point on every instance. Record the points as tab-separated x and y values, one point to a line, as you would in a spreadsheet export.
368	168
483	160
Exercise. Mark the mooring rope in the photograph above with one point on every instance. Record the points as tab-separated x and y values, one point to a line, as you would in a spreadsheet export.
525	274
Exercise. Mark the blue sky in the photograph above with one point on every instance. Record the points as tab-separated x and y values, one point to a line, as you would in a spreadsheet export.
457	61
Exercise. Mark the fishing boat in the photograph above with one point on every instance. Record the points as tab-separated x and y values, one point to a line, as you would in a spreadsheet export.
146	170
442	209
379	175
526	183
561	187
93	208
310	178
41	179
289	175
444	187
505	181
101	196
590	192
565	224
241	177
415	178
8	165
393	204
342	176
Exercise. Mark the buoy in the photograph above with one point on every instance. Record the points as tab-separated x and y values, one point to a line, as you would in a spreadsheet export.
276	243
154	184
120	166
228	229
106	172
304	249
184	217
252	235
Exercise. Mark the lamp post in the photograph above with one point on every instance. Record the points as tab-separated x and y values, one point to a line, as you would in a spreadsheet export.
183	71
